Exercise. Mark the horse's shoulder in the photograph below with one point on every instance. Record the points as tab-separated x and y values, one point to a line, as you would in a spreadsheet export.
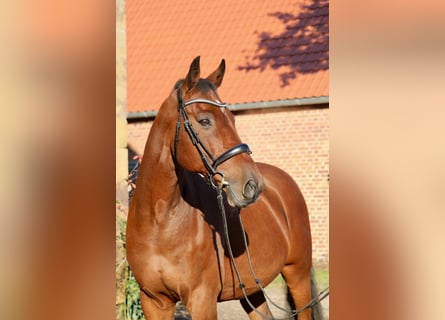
278	179
272	172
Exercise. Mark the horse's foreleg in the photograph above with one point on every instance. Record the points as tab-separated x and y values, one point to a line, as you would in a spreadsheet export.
201	304
257	301
299	284
157	307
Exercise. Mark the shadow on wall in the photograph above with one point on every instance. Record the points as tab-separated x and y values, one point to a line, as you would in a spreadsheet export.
303	47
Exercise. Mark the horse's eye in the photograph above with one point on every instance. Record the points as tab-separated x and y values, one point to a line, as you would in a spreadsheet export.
205	122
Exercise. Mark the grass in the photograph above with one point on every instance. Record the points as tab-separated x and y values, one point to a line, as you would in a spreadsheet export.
321	278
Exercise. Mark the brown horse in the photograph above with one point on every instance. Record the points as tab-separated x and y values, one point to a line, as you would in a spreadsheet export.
175	234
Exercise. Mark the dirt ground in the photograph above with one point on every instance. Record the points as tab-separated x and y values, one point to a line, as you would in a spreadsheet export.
232	310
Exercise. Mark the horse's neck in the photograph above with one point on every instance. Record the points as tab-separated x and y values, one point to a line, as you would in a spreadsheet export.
157	188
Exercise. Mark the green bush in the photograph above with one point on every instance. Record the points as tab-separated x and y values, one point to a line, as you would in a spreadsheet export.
133	302
129	305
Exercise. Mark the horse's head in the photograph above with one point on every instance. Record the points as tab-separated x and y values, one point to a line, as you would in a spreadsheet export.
206	141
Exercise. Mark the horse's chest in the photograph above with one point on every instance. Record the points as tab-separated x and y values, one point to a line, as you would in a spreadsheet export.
180	260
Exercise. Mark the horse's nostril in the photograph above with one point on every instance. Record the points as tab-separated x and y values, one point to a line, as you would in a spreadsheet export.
250	189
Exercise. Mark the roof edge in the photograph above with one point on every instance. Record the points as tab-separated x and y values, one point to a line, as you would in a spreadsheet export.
141	115
278	103
246	106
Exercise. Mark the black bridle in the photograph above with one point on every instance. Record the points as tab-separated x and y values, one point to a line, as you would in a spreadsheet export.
211	163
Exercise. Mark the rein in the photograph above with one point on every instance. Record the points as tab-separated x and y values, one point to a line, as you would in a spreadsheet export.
292	313
211	165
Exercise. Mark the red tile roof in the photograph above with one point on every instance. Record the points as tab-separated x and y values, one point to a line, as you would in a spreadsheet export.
273	49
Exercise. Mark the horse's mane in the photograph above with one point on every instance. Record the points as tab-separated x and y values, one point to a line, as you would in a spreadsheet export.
203	84
178	84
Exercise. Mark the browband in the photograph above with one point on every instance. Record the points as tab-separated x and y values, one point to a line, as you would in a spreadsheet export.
199	100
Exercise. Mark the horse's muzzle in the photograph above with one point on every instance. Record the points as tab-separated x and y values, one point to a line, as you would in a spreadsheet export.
250	190
250	193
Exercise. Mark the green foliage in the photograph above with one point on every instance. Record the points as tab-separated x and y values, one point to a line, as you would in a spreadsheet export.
133	302
129	307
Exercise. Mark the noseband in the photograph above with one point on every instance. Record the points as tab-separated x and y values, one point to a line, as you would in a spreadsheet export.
211	163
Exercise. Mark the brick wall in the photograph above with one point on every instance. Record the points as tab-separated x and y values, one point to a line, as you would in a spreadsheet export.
295	139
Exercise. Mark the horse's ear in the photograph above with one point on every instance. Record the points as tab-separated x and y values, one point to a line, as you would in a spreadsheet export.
217	76
193	75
